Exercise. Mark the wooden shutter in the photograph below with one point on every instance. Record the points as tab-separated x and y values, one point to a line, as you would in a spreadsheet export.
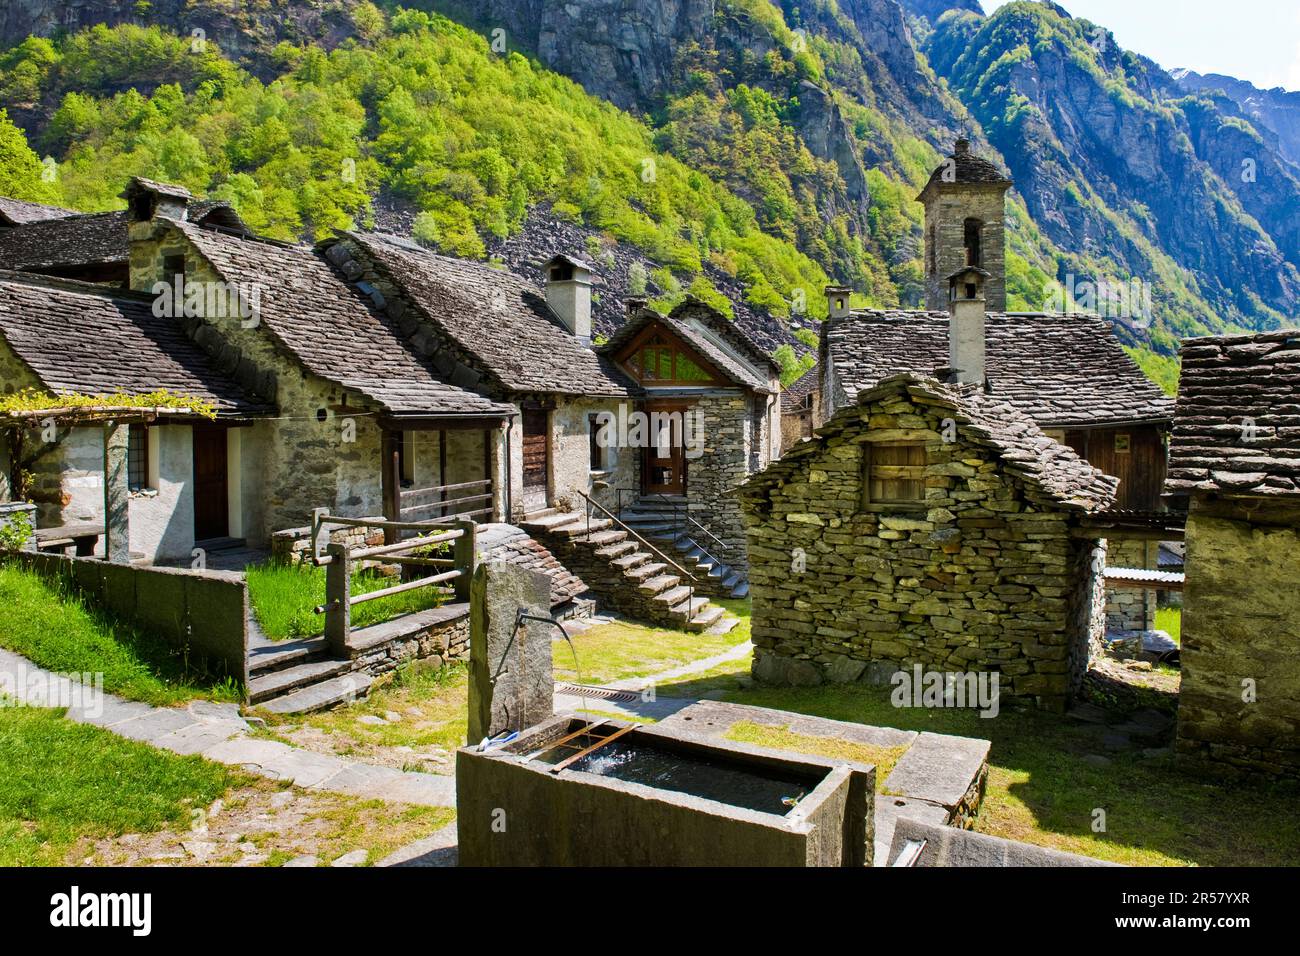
896	473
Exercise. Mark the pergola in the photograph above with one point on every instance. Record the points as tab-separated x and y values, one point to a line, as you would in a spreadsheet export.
115	421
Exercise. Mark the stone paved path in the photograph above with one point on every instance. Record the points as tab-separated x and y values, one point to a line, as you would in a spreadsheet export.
218	732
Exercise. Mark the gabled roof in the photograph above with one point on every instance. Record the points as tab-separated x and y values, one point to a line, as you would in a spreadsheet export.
331	330
681	323
1237	422
78	338
793	398
498	318
18	212
78	240
1053	474
1066	371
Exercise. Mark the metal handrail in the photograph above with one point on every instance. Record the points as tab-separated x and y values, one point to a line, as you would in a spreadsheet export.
684	512
690	598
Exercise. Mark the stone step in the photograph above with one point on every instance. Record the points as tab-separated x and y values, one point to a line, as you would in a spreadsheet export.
741	590
581	526
600	539
329	693
693	606
629	561
273	656
550	522
277	682
731	580
658	585
705	618
673	596
721	572
622	549
645	571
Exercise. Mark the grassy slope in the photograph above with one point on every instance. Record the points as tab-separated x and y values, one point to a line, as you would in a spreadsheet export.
284	598
58	631
66	782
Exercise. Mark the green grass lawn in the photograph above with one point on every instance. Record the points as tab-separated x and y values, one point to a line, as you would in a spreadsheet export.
623	649
55	629
64	783
1170	619
284	597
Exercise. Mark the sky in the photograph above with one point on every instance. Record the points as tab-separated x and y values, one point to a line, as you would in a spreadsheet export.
1255	40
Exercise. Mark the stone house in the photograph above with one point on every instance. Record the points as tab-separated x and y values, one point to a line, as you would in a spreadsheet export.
1235	463
1068	372
801	407
408	384
926	524
67	337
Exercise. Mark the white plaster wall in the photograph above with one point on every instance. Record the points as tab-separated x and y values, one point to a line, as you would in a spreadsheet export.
162	516
571	456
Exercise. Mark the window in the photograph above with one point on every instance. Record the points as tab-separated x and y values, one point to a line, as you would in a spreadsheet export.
894	473
137	457
971	239
173	266
593	438
406	458
662	361
931	253
1123	443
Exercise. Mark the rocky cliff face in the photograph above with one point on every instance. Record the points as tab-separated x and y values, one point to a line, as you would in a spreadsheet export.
1111	166
242	30
1275	113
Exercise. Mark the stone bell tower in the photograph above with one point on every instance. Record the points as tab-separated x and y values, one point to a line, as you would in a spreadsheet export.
965	202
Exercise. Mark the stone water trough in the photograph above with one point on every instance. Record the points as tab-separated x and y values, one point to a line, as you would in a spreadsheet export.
569	792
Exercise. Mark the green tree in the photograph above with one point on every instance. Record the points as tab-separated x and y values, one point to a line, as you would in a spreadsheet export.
22	175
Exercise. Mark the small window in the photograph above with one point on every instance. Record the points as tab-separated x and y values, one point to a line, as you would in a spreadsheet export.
1123	443
593	438
137	457
972	229
894	473
173	266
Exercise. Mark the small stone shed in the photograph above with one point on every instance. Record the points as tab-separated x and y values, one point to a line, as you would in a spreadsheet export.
1235	457
927	524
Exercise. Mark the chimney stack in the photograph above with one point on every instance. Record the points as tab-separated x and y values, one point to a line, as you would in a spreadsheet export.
568	293
837	301
635	303
966	324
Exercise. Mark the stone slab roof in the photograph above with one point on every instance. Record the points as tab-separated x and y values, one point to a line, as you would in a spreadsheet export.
1053	474
1063	370
965	168
792	398
90	239
329	329
679	323
498	318
1237	422
18	212
77	338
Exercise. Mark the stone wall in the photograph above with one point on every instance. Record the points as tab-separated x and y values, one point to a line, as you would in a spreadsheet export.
1131	609
204	615
571	457
1239	707
731	436
444	640
975	578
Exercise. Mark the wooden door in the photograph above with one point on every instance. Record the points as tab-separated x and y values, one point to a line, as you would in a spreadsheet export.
211	484
664	471
537	457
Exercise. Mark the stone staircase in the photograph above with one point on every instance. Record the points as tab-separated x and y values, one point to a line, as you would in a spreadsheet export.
298	677
622	571
657	520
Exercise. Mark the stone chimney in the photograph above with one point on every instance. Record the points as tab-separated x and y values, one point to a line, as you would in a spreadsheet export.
147	200
568	293
966	324
837	301
635	303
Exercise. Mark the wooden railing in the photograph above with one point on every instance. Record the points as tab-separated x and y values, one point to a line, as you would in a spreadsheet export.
339	559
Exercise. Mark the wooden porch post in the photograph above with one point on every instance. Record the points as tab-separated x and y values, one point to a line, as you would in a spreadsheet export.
117	494
466	559
338	599
391	481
